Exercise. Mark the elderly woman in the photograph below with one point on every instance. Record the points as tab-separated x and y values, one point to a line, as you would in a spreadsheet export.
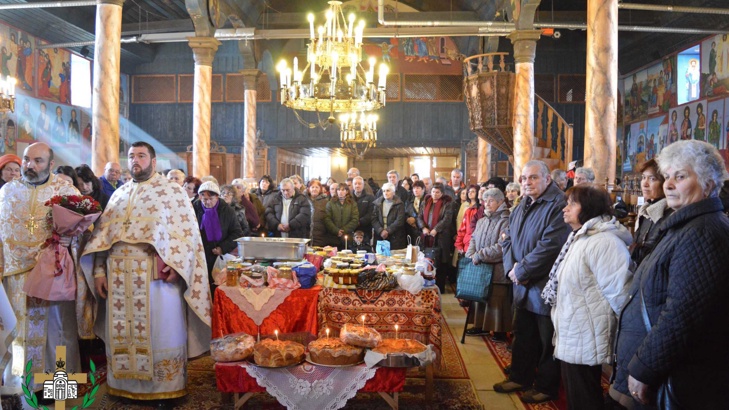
319	201
218	223
9	168
513	193
483	247
342	216
436	225
672	331
651	214
588	284
191	186
88	184
230	196
388	218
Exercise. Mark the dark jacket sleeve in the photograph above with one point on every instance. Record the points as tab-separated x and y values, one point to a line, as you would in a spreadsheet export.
349	226
251	212
272	219
446	219
376	216
365	216
399	213
537	263
232	228
302	220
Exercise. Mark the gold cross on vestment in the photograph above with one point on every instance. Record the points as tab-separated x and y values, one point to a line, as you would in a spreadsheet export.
80	378
31	225
126	224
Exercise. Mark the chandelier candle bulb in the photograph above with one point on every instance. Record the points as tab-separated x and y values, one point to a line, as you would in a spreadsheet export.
311	25
351	25
296	67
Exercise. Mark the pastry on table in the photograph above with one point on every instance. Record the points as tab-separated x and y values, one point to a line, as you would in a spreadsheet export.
358	335
332	351
232	348
277	353
408	346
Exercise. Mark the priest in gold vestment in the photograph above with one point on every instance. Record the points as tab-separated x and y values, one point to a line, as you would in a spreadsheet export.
41	325
146	265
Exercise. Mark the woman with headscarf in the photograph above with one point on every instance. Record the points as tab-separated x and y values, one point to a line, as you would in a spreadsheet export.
588	284
342	216
483	247
88	184
9	168
219	227
436	225
672	332
388	218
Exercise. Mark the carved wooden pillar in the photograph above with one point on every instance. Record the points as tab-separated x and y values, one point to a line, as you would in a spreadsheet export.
525	44
203	49
105	103
248	151
601	98
484	160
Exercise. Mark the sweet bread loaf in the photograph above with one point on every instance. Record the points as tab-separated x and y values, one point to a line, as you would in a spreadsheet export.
333	352
232	348
409	346
358	335
277	353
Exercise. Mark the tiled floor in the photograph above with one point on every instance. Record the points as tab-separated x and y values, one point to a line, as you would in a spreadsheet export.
482	368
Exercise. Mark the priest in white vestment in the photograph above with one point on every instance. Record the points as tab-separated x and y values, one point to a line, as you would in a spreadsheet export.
146	262
41	325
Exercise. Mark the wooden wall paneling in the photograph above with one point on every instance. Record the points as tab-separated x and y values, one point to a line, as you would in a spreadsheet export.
186	88
154	89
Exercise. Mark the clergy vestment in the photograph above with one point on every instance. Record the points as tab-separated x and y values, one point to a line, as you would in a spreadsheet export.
41	325
150	326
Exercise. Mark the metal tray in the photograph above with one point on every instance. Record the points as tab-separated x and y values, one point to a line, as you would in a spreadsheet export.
272	248
399	360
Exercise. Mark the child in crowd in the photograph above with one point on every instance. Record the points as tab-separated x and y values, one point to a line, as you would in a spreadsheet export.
359	244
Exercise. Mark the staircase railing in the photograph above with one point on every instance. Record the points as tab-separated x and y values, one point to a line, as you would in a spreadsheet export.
552	135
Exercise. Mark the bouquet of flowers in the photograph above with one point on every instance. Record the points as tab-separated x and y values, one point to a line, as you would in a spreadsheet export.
54	277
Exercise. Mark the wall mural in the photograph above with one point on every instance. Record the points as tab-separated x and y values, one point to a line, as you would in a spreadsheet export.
53	73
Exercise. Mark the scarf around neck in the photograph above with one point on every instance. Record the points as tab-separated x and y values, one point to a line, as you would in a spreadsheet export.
434	218
211	223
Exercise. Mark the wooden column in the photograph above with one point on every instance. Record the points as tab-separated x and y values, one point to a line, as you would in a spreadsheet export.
105	102
601	91
203	49
484	160
248	151
525	44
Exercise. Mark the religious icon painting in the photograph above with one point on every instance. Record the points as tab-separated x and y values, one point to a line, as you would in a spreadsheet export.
715	120
53	73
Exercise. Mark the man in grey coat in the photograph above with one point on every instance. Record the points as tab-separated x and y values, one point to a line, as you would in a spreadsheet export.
535	237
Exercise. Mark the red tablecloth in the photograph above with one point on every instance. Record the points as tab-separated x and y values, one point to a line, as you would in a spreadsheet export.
418	316
233	378
298	313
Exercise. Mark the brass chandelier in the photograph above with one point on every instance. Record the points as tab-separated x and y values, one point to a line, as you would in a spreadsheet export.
333	80
358	133
7	94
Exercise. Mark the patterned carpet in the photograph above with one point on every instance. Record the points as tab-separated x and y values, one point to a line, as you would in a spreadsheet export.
453	389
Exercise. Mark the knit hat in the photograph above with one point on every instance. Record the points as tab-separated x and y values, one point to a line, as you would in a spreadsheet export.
8	158
209	186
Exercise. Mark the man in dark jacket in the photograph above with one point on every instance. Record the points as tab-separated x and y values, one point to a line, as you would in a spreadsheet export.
289	213
393	177
388	218
364	205
536	234
218	234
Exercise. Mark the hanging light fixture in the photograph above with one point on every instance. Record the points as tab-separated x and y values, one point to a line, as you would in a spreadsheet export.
333	80
7	94
358	133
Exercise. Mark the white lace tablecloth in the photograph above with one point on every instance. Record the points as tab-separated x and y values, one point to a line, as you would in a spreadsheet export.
307	387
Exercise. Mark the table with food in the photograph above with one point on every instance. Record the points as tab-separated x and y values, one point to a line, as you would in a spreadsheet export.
314	326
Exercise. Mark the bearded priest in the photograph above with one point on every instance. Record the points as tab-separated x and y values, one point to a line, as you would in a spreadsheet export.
146	262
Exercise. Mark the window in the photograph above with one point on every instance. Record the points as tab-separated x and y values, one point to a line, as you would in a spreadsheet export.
80	81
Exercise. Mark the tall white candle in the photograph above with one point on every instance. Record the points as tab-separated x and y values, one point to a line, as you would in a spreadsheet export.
351	25
396	329
311	25
296	67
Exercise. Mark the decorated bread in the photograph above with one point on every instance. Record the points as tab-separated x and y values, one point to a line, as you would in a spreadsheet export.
232	348
333	352
408	346
277	353
358	335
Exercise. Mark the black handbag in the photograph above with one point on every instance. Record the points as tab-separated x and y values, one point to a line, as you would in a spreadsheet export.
434	253
666	398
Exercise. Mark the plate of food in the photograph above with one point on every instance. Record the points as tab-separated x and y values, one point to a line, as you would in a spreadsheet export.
333	352
274	354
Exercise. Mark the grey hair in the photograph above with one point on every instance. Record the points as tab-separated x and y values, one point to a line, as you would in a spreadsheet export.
587	172
392	171
701	156
442	180
458	170
358	177
388	186
513	186
286	181
559	175
494	193
543	168
298	178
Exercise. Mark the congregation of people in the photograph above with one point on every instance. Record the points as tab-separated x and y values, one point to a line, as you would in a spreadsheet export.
572	289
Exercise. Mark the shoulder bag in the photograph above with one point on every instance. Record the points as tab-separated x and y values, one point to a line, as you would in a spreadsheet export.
474	281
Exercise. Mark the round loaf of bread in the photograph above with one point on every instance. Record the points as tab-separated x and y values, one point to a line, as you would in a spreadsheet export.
409	346
232	348
277	353
358	335
331	351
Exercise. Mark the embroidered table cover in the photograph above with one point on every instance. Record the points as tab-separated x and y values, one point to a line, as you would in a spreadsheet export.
417	316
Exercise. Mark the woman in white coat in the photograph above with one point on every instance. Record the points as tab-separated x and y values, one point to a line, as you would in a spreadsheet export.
588	285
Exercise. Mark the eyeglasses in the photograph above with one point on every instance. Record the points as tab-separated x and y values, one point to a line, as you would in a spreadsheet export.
227	194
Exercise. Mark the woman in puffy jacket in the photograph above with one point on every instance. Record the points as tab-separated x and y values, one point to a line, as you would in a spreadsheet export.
587	287
319	200
463	220
342	216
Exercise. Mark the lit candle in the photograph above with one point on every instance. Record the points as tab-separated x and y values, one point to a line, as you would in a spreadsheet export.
311	25
296	68
327	333
396	329
351	25
340	35
371	74
363	320
263	235
276	332
383	75
329	23
345	242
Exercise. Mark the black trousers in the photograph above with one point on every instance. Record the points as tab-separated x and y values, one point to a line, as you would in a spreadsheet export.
582	385
532	360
